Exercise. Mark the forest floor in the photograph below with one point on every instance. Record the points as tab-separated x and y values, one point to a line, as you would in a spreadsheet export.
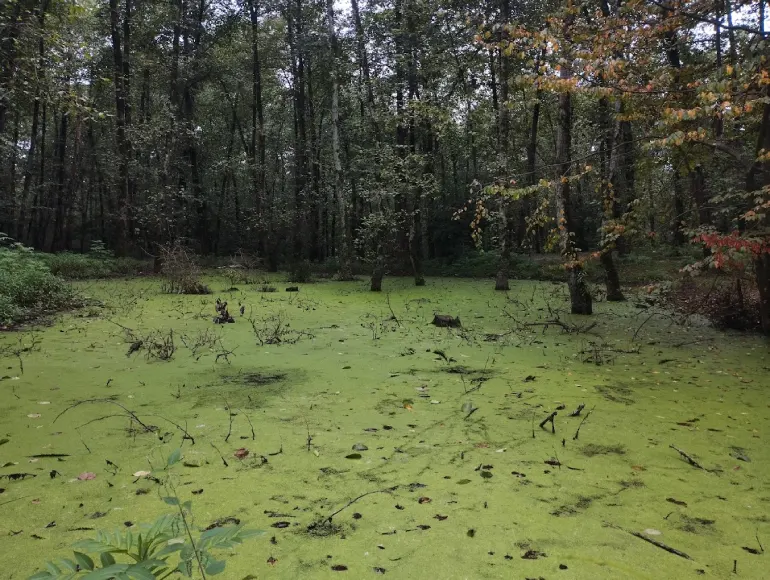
363	395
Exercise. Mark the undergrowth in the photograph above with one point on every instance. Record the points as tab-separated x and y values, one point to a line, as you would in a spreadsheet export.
28	289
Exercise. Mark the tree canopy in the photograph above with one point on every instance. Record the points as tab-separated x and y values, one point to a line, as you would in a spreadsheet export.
390	131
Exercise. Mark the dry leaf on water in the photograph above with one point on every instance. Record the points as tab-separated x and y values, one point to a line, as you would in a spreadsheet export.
241	453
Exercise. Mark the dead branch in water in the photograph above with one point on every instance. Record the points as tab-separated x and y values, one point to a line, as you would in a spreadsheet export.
127	413
328	519
392	314
230	415
688	458
549	419
649	540
577	432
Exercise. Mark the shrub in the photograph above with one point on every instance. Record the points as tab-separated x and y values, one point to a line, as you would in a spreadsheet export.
97	263
300	272
181	271
27	286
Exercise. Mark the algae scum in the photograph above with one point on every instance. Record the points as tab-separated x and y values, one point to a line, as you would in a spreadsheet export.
380	444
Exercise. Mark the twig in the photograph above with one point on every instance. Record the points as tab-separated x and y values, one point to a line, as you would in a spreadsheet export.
533	424
354	500
656	543
279	452
253	435
576	412
110	402
688	458
83	441
15	499
230	415
185	433
393	314
577	432
309	437
646	320
222	457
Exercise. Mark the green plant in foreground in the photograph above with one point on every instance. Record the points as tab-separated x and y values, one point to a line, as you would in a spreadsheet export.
160	550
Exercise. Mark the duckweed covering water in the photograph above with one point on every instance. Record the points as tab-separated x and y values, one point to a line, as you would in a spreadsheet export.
364	395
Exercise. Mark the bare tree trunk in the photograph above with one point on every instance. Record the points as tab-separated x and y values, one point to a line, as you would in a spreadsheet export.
57	242
121	69
378	273
759	176
508	228
343	253
295	41
677	224
363	60
612	190
762	273
580	297
257	155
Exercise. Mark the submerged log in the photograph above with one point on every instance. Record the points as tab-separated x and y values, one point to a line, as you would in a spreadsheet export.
446	321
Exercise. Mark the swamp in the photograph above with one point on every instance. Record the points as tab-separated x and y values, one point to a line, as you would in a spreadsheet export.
358	436
403	288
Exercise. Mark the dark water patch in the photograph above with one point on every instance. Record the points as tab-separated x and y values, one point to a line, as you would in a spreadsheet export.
248	388
593	449
256	378
616	394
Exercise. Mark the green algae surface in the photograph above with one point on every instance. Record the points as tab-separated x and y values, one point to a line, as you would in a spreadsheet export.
431	435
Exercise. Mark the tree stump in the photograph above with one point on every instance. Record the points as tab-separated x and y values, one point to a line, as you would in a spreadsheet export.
446	321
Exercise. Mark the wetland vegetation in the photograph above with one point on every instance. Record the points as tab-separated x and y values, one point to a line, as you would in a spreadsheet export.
353	432
414	288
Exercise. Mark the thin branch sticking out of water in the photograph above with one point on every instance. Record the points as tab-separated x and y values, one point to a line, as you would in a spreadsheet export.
577	432
656	543
328	519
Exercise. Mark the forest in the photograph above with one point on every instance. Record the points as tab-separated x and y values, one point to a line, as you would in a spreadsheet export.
390	134
293	288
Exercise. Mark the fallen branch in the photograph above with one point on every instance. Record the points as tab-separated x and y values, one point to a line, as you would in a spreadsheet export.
549	419
688	458
649	540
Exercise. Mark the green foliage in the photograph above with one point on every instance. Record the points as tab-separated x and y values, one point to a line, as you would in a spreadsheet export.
165	548
27	286
158	550
300	272
74	266
485	265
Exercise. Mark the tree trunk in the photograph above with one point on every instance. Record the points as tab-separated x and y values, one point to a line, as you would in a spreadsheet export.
759	176
762	272
295	39
378	273
363	61
613	189
580	297
343	253
121	70
57	242
677	231
509	225
12	15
